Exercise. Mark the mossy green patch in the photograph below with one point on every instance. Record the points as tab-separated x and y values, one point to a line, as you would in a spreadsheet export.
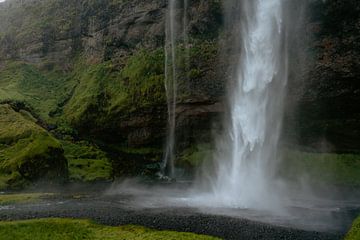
62	229
27	151
88	97
43	91
339	169
194	156
6	199
354	233
87	162
106	90
143	76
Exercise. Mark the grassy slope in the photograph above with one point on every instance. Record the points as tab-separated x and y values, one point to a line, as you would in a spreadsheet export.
42	90
26	150
63	229
45	92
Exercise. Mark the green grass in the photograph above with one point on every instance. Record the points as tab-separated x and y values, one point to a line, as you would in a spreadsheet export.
354	233
6	199
87	162
339	169
70	229
41	90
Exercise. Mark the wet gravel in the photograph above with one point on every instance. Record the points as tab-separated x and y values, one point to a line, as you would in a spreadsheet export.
114	210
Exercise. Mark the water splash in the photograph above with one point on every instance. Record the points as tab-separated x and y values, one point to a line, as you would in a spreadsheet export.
176	34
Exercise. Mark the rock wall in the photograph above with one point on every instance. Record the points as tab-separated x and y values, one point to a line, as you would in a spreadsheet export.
324	100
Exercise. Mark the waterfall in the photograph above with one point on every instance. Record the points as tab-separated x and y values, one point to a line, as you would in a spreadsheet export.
176	34
246	155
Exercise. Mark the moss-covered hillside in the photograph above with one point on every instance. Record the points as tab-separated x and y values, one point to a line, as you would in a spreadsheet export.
90	77
27	152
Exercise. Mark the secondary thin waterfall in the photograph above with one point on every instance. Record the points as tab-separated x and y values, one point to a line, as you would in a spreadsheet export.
176	35
247	153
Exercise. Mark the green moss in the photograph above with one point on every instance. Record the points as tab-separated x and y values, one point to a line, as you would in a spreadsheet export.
194	66
140	84
6	199
87	162
41	90
193	157
104	90
89	93
62	229
354	233
27	151
144	78
340	169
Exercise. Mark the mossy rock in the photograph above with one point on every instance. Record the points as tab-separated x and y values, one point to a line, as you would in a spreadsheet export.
136	161
87	162
28	152
105	90
115	103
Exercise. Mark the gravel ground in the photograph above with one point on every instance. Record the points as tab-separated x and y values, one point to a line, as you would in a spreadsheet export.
120	210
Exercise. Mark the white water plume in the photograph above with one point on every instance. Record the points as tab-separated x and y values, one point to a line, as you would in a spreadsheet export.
246	155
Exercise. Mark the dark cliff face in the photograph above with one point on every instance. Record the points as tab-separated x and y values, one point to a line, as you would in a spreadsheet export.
105	61
326	93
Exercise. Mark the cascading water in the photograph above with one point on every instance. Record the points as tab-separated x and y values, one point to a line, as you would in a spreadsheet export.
176	34
247	153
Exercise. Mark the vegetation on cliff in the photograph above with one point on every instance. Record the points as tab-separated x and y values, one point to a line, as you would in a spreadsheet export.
105	90
42	90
